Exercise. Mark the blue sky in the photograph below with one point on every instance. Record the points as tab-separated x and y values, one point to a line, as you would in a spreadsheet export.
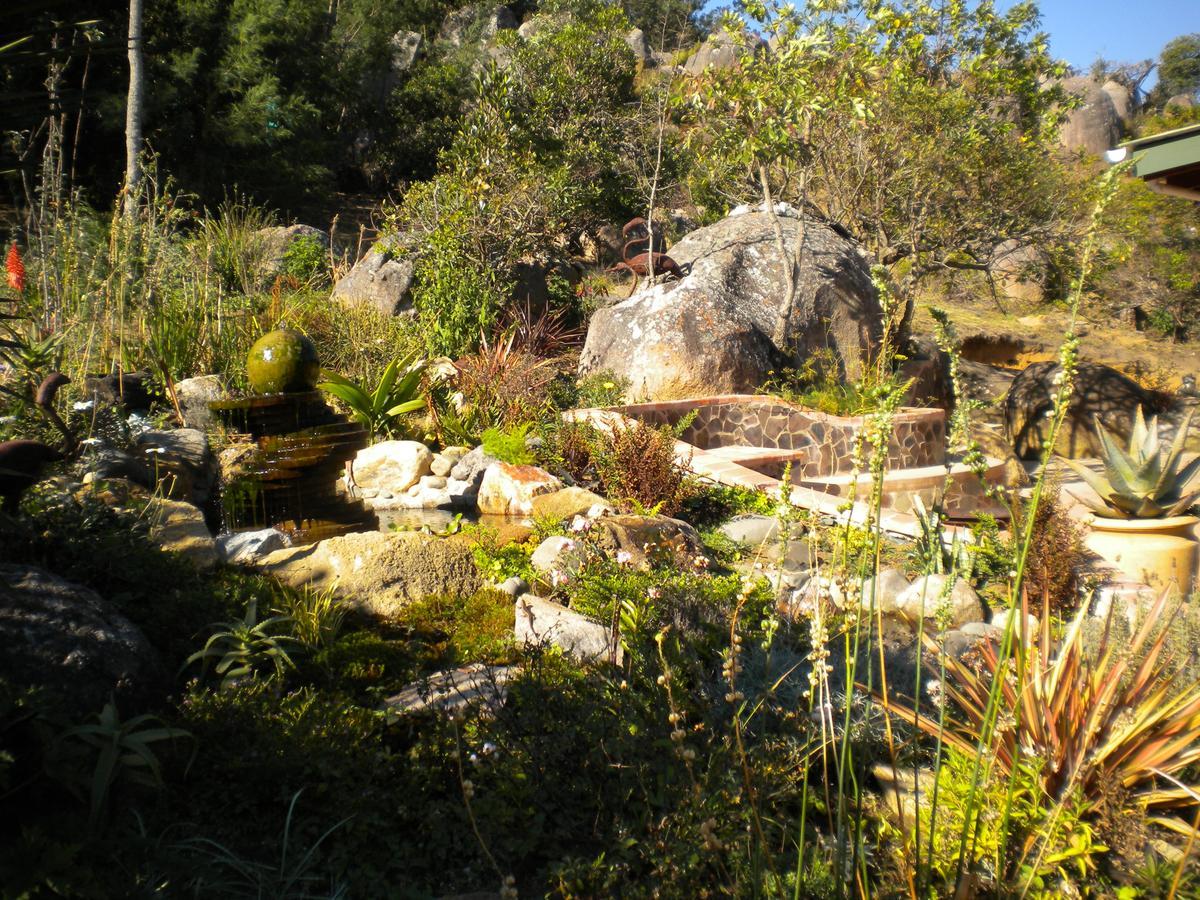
1081	30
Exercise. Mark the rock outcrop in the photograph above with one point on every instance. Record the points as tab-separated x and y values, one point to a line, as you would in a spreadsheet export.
381	572
713	331
381	279
1100	392
1094	126
69	639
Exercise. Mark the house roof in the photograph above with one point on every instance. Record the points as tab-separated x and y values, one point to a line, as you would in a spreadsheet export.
1168	162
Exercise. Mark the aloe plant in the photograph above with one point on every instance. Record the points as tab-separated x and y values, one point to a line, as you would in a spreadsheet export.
1142	483
397	394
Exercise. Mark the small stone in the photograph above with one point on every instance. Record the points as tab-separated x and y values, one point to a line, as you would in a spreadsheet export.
432	483
887	586
540	621
925	596
245	547
1001	617
514	587
556	554
194	395
471	467
751	530
982	630
441	465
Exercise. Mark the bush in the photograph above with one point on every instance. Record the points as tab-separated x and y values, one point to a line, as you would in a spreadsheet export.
306	260
1055	553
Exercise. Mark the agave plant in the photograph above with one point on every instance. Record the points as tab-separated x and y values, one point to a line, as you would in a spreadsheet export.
243	647
1142	483
397	394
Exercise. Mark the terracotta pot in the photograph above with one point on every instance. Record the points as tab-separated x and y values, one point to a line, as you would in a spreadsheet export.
1157	552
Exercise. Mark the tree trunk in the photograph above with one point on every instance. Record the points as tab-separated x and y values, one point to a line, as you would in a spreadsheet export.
133	107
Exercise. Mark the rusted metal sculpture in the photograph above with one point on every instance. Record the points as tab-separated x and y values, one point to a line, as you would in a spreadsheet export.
642	254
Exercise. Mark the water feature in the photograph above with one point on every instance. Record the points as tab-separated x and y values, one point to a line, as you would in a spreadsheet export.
295	449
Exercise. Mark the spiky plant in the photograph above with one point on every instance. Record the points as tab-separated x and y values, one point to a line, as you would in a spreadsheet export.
1097	717
1142	483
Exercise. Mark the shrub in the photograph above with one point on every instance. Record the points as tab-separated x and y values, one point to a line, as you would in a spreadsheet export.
1055	554
636	465
510	446
306	259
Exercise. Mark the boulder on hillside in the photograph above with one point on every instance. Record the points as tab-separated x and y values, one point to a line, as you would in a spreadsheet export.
636	41
1100	392
1122	100
69	639
381	572
1180	101
1094	126
476	21
405	46
381	279
1019	271
712	332
719	51
276	241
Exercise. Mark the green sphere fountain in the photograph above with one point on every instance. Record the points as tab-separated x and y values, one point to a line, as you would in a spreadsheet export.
296	447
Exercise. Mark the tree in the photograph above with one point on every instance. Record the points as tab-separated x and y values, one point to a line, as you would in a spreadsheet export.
1179	66
134	107
924	129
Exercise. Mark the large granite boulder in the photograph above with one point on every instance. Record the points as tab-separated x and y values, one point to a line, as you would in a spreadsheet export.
719	51
713	331
69	639
1094	125
382	280
181	461
1122	100
1100	392
179	527
381	572
476	21
509	490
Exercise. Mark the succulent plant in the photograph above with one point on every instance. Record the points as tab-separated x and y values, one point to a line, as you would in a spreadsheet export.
1142	483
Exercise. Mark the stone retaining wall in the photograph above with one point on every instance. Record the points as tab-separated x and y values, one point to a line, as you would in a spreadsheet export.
816	444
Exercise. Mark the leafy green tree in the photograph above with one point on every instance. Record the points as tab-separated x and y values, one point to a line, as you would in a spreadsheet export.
1179	66
924	129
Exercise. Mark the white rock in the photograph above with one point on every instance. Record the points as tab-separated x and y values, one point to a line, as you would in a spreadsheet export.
751	530
393	466
432	483
179	527
508	490
887	586
925	597
244	547
556	554
441	464
540	621
1000	621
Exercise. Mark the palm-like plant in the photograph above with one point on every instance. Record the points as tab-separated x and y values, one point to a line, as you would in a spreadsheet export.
123	753
243	647
1112	716
397	394
1142	483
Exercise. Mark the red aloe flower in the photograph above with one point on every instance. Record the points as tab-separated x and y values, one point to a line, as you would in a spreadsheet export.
16	269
